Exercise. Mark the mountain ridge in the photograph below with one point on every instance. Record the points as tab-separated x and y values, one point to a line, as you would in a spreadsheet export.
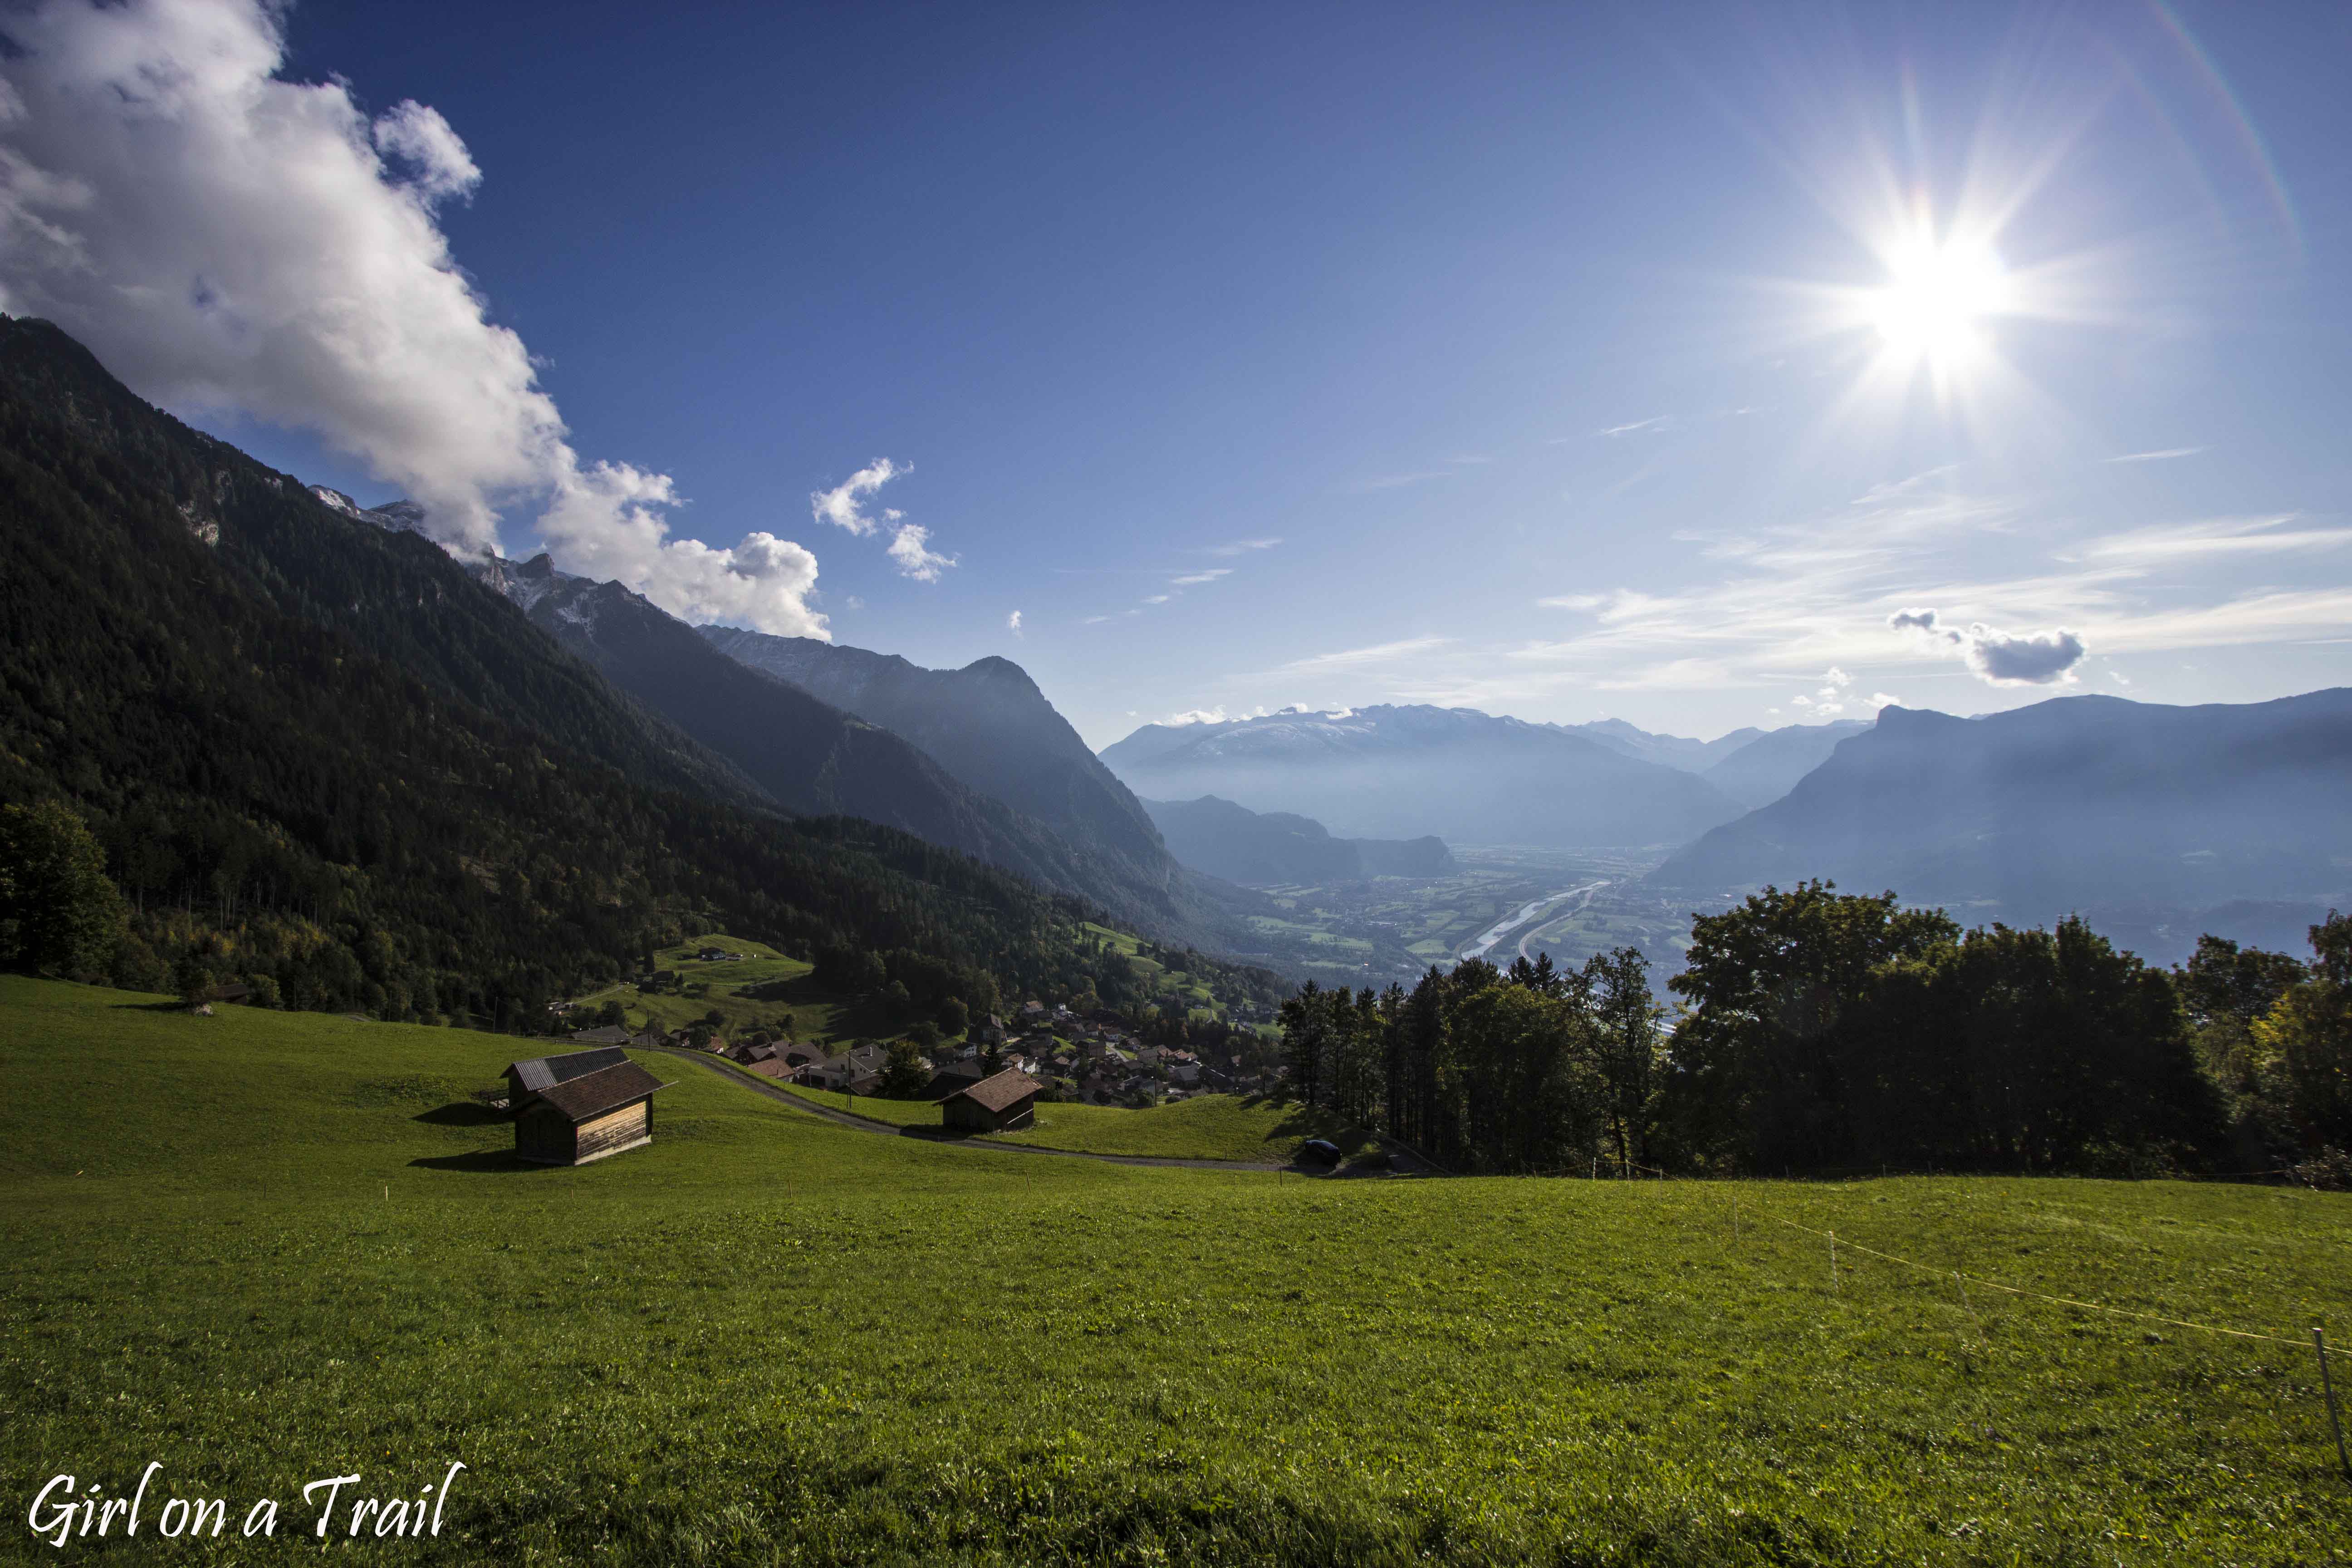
2148	812
1220	838
1404	771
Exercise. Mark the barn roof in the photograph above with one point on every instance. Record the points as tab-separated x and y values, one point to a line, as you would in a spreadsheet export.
1006	1089
542	1071
598	1092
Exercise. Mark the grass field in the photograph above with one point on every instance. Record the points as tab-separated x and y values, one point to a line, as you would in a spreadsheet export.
264	1248
1213	1127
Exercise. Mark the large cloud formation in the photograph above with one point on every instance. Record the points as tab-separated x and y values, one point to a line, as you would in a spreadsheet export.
2000	657
223	238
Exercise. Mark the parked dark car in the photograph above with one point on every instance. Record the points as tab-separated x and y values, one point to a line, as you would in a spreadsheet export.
1322	1151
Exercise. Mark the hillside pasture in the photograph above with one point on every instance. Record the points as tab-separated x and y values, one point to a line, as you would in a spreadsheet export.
1209	1127
262	1248
791	1003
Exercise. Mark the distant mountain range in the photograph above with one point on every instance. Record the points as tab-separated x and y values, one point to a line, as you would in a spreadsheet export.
1675	751
1272	848
2155	821
1404	771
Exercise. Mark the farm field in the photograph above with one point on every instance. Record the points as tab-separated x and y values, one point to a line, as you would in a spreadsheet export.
1393	928
263	1248
1211	1127
796	1010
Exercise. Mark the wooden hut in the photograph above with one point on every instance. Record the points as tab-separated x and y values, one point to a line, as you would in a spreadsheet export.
582	1106
998	1104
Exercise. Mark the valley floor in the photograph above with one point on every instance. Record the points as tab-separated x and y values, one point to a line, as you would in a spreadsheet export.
264	1248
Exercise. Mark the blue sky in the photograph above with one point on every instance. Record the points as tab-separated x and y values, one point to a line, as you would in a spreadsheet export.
1562	362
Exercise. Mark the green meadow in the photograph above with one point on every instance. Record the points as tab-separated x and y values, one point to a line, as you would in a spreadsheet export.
1213	1127
264	1248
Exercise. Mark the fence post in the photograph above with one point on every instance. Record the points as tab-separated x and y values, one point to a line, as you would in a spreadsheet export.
2335	1422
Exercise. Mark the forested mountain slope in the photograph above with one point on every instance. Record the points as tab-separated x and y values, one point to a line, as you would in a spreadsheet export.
320	750
990	726
808	755
986	724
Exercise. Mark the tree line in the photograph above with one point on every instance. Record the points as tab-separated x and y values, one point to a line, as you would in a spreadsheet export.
1821	1032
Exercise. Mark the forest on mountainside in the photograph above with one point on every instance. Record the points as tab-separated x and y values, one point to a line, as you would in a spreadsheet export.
317	754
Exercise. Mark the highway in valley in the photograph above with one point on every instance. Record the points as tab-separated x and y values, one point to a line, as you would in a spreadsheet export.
1527	912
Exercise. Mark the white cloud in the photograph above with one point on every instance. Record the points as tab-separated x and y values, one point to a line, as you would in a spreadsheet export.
2168	454
1356	658
910	553
1196	716
1884	699
2208	538
2021	659
1012	623
843	506
418	136
1094	620
2000	657
1655	424
1242	546
1157	598
1211	575
224	240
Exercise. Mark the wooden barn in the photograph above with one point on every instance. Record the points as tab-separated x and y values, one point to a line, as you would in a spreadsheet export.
582	1106
998	1104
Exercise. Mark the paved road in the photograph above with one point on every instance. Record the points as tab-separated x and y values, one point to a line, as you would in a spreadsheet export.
753	1081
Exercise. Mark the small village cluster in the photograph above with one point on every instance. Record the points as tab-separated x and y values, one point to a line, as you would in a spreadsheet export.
1090	1058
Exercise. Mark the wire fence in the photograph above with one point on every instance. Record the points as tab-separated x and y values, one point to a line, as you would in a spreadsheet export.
2318	1341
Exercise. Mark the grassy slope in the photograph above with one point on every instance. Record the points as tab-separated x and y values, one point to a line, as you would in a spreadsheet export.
231	1244
1213	1127
805	1014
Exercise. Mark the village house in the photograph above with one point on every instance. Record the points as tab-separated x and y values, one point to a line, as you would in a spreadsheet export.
858	1070
579	1106
998	1104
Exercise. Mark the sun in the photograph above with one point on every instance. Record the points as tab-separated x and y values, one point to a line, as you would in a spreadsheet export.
1937	300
